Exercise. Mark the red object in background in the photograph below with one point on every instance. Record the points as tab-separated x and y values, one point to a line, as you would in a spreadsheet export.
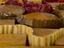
32	7
61	0
52	0
55	1
37	7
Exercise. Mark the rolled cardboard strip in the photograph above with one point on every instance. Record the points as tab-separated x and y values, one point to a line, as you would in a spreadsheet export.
1	29
42	41
52	39
35	40
59	33
30	38
23	29
15	30
62	31
55	36
5	29
48	40
18	29
29	30
10	29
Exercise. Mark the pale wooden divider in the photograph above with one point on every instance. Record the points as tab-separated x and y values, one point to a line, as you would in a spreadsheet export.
14	34
45	40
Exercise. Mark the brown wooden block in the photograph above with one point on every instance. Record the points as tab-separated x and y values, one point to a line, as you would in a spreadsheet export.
1	29
10	29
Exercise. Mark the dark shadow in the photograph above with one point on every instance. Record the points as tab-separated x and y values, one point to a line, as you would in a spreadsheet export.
27	41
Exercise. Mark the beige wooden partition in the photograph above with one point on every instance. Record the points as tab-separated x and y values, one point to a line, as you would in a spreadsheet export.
14	34
45	40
